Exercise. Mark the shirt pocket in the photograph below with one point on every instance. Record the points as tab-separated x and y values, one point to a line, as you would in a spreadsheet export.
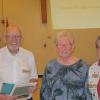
25	72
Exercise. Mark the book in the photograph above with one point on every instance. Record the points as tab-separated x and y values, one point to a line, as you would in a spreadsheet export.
20	90
7	88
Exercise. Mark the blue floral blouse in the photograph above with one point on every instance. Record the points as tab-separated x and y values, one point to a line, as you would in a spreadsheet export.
62	82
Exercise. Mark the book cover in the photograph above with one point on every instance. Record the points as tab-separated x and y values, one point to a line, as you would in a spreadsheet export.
7	88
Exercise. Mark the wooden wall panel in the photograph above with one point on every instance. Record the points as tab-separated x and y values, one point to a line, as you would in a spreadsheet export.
44	11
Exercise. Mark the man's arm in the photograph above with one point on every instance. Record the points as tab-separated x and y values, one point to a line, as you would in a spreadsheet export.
34	75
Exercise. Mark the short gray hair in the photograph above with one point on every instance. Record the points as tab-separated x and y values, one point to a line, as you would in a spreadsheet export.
65	34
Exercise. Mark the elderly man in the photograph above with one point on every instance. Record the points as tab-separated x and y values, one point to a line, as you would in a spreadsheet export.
17	65
94	73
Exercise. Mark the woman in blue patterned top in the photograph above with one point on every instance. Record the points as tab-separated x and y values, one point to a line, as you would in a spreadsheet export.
65	78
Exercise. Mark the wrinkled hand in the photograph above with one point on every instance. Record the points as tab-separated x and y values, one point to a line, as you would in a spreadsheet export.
6	97
11	98
32	89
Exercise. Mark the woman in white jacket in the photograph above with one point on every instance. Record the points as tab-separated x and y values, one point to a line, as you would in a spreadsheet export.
94	72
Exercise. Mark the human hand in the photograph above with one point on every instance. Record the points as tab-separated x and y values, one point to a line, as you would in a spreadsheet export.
32	89
11	98
7	97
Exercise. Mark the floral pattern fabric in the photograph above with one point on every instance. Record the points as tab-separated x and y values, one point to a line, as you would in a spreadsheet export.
62	82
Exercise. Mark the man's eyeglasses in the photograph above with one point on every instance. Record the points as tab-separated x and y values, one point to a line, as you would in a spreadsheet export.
14	36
